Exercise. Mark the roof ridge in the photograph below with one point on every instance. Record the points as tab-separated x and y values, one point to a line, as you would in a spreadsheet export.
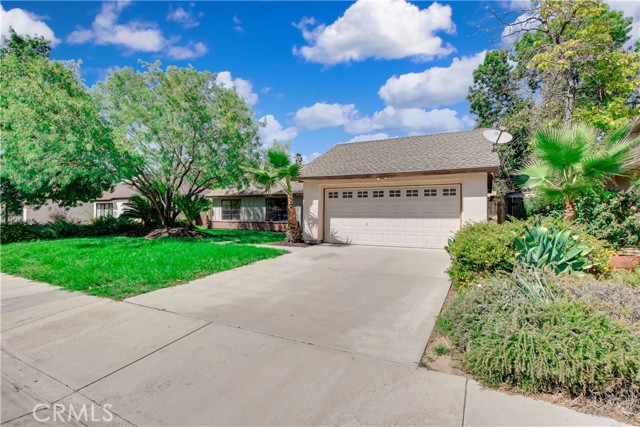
407	137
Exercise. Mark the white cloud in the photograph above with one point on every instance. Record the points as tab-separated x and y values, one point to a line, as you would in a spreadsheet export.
511	33
386	29
410	120
368	137
237	24
436	86
630	9
311	157
273	131
138	36
134	35
323	115
191	50
186	18
25	23
242	86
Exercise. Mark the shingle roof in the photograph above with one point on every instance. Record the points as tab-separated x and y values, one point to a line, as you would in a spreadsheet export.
120	191
253	190
424	153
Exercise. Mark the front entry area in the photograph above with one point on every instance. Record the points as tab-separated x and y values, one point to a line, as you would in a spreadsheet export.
407	216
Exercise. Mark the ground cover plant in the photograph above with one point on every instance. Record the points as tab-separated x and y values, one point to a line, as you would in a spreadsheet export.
562	341
120	267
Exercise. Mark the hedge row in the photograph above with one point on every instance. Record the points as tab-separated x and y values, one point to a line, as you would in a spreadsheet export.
103	226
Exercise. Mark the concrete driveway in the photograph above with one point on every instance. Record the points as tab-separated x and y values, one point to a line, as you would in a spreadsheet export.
325	335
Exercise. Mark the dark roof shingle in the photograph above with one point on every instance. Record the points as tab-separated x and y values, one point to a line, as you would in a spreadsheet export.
424	153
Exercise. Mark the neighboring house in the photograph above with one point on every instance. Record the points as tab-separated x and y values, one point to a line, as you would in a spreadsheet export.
252	208
111	203
414	191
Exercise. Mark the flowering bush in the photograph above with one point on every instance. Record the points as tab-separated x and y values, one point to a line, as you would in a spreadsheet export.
612	216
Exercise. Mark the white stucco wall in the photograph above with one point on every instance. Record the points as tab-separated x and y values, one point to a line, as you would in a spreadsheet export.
473	203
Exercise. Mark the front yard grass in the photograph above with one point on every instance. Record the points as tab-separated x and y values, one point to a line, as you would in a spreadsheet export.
120	267
244	236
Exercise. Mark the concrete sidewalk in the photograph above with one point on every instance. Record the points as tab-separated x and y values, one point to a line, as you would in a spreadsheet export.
213	353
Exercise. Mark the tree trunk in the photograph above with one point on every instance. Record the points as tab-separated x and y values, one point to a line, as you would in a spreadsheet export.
569	211
570	99
293	228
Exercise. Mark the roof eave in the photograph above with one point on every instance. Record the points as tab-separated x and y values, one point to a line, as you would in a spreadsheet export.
488	169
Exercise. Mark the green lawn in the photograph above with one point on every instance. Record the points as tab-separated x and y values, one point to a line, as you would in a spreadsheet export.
120	267
245	236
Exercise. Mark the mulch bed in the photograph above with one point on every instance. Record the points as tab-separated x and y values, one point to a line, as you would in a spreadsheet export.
176	233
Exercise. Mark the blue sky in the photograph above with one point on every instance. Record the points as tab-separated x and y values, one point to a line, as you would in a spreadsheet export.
317	73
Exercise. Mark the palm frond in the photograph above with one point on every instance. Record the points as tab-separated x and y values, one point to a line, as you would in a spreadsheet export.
278	158
560	148
601	167
535	174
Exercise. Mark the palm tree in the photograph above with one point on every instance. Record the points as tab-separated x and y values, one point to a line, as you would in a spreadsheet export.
278	170
571	160
192	207
139	207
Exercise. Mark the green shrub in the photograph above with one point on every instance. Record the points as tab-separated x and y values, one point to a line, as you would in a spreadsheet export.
102	226
544	345
612	216
481	249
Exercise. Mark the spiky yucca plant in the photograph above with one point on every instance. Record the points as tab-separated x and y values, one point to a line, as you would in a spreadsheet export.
571	160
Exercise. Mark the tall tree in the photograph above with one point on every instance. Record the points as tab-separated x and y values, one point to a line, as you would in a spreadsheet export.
572	52
496	99
55	145
572	160
184	133
278	170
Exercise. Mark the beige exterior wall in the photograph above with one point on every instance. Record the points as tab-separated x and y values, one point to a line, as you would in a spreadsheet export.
252	208
82	213
474	196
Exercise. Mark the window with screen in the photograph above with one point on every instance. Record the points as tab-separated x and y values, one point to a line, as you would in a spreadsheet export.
104	209
277	209
231	210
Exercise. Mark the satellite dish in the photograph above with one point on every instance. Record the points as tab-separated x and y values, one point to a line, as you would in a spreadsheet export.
497	136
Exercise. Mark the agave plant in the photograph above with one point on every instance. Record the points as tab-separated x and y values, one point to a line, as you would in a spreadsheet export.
557	250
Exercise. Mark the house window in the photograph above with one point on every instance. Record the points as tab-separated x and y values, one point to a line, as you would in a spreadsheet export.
104	209
333	194
231	210
363	194
449	191
395	193
430	192
378	193
347	194
276	209
412	193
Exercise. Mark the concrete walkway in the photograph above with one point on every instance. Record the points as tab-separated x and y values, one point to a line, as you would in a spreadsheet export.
322	336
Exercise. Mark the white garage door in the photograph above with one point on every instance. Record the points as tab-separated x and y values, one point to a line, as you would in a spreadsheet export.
422	216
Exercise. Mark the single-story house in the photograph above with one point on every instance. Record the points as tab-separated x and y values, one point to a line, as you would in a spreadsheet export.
111	203
414	191
251	208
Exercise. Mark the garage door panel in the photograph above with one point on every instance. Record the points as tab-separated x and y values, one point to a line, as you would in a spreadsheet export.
425	218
